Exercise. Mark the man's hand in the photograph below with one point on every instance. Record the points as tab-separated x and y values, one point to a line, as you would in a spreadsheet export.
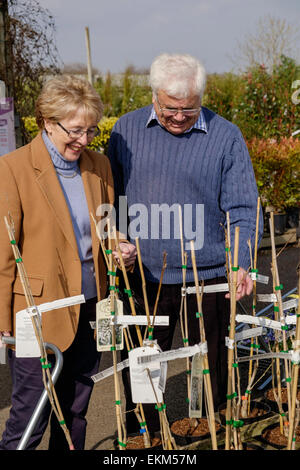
128	251
3	333
244	284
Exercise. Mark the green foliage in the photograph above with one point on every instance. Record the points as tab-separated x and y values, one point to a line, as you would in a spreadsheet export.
222	94
266	109
126	93
99	143
277	169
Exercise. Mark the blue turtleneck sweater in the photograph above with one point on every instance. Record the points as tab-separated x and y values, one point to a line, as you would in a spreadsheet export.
69	177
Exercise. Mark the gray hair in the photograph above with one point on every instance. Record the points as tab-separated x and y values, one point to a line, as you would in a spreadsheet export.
177	75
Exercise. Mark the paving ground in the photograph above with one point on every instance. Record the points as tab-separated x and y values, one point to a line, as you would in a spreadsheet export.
101	417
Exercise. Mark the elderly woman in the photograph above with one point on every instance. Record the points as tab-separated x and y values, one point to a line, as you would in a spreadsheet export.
50	187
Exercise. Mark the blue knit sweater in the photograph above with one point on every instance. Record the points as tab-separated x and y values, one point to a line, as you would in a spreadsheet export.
153	167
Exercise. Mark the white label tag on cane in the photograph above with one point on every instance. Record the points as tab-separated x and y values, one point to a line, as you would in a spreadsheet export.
26	342
195	403
145	377
104	328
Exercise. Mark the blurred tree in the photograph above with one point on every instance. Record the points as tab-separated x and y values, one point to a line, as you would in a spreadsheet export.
272	38
30	31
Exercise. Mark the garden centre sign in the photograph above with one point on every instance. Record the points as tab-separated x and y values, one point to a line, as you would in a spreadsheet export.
7	126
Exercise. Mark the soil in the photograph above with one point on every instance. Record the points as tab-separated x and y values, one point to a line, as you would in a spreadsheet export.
270	395
254	412
137	442
192	427
274	436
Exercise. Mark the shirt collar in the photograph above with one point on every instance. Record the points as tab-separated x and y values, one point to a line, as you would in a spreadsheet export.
200	124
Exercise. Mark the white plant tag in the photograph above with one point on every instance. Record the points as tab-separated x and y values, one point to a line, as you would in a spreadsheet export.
103	325
266	298
2	353
141	385
195	403
26	342
259	278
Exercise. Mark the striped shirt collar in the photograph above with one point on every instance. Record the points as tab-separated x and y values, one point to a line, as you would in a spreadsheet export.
200	124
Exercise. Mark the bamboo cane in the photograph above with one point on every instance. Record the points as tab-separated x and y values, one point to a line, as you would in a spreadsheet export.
183	305
120	425
232	289
36	322
254	269
278	308
295	375
207	380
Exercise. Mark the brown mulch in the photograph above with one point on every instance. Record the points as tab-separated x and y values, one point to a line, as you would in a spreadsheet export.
137	442
274	436
270	395
254	412
192	427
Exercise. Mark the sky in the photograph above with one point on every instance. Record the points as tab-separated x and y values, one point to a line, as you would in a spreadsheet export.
134	32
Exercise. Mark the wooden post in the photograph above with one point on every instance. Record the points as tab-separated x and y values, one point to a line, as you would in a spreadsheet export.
89	60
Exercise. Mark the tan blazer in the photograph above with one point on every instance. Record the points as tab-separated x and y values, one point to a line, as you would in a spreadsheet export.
30	191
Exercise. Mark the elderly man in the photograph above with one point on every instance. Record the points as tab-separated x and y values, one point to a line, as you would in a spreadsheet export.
177	152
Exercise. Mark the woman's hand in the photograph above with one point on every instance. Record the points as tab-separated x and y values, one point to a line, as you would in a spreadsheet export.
128	251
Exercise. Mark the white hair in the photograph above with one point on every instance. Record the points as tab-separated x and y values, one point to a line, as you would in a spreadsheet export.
178	75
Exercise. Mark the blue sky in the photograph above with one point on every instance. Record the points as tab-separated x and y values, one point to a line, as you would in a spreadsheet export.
124	32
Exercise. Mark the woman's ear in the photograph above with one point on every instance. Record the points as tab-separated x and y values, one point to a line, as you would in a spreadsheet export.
48	126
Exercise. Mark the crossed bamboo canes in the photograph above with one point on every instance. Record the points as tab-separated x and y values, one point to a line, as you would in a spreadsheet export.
279	316
167	439
207	380
107	253
293	419
245	409
230	409
183	306
37	325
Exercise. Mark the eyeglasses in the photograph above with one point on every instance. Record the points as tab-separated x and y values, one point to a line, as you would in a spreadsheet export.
76	134
173	111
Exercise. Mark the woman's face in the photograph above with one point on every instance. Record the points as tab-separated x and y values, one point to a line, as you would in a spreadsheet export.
71	146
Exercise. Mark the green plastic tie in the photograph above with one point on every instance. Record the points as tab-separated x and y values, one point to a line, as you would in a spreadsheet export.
150	337
128	292
187	400
254	270
151	328
108	252
122	444
19	260
118	402
62	422
112	313
143	424
13	242
188	371
199	314
280	287
205	371
229	421
238	423
185	340
46	366
112	288
230	397
288	379
276	309
111	273
227	248
113	348
235	268
284	327
163	407
183	266
234	364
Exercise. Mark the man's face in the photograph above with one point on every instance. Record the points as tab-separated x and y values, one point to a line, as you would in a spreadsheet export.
180	121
